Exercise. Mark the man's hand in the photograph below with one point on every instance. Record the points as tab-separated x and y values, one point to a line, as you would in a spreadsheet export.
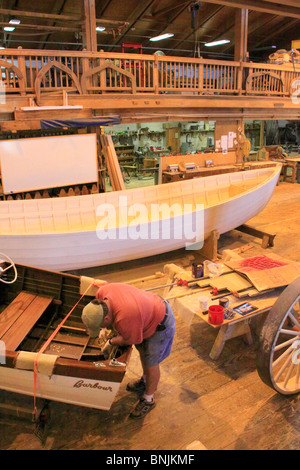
103	336
106	350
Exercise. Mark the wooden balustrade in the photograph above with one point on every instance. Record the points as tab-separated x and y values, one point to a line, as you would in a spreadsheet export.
43	72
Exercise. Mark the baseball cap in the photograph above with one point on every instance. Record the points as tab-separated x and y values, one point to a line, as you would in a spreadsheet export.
92	317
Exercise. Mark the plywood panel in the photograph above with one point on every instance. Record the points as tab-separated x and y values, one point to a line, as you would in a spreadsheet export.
46	162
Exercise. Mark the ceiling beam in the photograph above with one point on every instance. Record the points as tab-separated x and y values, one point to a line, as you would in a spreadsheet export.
138	12
48	28
58	9
201	25
100	7
261	5
45	16
172	19
292	3
251	28
276	32
170	8
51	16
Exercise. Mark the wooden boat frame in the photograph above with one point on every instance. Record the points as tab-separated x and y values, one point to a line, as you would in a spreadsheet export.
60	233
86	379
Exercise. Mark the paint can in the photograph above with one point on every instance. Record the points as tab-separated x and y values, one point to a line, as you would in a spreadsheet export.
197	270
203	301
216	314
224	303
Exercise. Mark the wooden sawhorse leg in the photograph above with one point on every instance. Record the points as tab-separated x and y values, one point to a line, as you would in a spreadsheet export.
227	332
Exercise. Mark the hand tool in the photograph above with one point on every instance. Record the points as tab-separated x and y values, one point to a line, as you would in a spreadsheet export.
185	283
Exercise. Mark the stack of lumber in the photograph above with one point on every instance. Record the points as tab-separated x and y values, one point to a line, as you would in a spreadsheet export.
112	163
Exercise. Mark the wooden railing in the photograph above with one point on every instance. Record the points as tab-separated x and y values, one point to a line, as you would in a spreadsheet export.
39	73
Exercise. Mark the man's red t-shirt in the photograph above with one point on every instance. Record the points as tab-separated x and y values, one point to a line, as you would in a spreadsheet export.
136	313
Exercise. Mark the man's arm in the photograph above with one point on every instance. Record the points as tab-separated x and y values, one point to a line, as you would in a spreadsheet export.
118	340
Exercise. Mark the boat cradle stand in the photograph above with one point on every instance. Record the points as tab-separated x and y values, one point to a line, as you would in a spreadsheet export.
24	411
267	238
210	247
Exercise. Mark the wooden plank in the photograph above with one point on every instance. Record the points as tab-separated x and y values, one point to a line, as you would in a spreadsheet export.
14	311
21	327
112	162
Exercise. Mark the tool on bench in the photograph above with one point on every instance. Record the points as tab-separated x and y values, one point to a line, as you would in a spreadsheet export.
181	282
215	292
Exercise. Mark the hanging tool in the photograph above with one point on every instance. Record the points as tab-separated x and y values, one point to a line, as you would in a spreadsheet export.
194	9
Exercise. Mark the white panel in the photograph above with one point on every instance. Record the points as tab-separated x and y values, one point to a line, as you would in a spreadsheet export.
48	162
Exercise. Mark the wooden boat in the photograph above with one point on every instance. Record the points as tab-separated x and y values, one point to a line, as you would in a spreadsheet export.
61	233
72	369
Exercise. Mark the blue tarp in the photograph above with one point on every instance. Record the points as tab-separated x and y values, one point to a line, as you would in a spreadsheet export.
79	122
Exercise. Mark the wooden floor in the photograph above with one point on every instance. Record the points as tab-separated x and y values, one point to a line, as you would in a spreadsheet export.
222	404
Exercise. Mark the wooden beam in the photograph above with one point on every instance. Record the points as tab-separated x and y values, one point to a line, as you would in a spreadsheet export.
51	16
277	31
241	35
201	25
137	13
89	25
19	28
32	14
173	7
261	5
57	9
171	20
292	3
101	7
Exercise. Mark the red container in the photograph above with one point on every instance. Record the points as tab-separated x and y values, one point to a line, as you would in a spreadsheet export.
216	314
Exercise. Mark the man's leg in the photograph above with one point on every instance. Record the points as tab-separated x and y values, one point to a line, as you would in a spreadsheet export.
152	375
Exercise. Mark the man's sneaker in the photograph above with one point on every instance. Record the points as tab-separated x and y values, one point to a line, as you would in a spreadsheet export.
137	387
142	408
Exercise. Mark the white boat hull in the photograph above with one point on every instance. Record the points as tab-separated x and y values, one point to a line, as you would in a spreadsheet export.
71	390
60	234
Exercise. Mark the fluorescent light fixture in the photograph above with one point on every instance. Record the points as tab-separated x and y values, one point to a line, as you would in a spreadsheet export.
9	28
100	28
217	43
163	36
15	21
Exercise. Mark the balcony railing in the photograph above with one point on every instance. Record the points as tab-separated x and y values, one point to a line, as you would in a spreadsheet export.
41	73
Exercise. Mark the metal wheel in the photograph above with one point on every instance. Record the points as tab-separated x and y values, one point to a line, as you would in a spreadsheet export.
278	358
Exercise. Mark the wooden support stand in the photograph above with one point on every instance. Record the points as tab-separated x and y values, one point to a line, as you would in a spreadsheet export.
228	332
21	407
210	247
267	238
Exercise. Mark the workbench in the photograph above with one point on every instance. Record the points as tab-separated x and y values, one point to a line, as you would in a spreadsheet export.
290	163
173	176
188	307
169	176
258	280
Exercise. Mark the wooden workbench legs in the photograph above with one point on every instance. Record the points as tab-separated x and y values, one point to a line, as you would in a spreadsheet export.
228	332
